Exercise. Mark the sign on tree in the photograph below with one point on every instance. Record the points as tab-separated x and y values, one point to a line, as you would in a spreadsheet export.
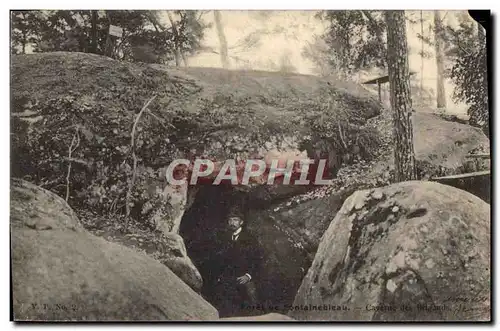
115	31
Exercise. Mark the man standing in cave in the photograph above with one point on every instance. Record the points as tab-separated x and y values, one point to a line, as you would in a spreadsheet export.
239	260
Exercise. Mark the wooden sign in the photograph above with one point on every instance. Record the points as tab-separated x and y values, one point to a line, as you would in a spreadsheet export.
115	31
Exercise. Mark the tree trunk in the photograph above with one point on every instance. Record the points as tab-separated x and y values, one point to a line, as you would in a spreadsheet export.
422	55
399	82
108	51
438	31
483	69
222	39
25	35
24	43
345	44
94	32
176	40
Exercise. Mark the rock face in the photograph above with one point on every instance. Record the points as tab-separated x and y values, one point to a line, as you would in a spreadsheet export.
38	209
168	248
197	112
62	272
179	262
290	231
408	251
177	204
442	146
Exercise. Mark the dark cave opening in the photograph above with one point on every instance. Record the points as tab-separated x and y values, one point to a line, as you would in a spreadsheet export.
201	227
283	266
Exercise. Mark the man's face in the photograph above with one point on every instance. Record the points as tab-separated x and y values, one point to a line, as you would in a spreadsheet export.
234	223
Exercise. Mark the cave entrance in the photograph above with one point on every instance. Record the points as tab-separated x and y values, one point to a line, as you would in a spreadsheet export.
201	227
284	263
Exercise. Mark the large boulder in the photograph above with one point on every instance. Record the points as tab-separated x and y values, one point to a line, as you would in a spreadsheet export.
179	262
168	248
35	208
62	272
408	251
442	147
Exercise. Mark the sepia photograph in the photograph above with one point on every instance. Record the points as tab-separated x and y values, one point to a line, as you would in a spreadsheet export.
250	165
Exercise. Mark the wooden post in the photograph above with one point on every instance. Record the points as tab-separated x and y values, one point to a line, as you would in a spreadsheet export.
438	35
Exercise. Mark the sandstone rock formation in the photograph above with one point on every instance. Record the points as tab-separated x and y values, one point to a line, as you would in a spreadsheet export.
168	248
62	272
444	144
197	112
408	251
215	113
291	229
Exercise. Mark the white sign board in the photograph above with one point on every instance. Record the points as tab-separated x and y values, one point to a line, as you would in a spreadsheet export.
115	31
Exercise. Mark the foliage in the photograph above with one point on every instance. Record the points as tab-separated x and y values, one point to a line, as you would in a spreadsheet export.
24	26
355	39
469	71
318	52
345	131
145	38
101	165
284	64
465	47
191	30
469	74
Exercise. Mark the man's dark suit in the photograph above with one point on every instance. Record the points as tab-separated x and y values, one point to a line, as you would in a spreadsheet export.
235	259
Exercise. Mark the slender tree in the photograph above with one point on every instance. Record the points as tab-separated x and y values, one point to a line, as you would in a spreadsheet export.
94	32
438	37
222	39
482	76
401	104
422	52
177	46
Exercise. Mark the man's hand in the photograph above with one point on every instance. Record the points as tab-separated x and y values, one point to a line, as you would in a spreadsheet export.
243	279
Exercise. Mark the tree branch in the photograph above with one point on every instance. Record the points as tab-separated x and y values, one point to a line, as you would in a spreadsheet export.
134	157
202	12
371	20
176	40
341	135
161	121
457	40
75	142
